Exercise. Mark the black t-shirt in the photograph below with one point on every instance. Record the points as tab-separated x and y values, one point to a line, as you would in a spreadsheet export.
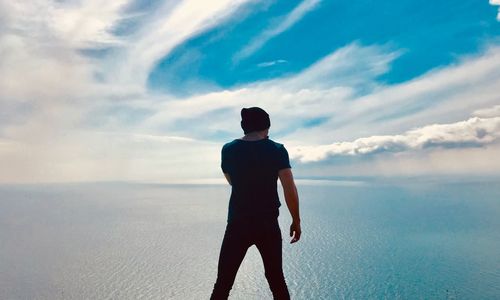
253	168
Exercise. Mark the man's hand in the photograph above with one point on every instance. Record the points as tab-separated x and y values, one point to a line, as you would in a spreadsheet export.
295	232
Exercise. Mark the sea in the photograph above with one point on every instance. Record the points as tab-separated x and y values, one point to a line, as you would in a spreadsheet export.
362	239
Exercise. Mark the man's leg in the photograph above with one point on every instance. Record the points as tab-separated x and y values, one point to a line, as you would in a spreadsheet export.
269	245
233	250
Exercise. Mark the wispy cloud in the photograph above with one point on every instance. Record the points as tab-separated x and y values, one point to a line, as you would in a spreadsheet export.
161	34
271	63
288	21
317	92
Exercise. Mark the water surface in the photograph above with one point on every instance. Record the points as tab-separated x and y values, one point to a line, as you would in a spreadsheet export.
427	240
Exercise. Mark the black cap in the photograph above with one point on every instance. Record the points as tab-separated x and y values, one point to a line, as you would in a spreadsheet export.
254	119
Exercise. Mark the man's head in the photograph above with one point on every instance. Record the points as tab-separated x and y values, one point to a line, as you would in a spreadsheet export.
254	119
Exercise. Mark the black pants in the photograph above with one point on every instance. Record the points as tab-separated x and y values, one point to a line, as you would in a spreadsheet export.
239	236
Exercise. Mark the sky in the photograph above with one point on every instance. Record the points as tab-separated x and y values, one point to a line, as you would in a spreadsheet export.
149	91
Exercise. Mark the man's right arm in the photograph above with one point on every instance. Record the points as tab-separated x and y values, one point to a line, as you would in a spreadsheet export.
223	165
228	178
292	202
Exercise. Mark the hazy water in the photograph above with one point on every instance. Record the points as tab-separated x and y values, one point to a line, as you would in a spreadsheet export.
370	241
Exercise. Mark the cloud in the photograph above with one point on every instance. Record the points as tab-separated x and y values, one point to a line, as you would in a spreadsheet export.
443	95
271	63
51	94
95	156
488	112
76	24
430	163
474	132
343	90
87	24
42	77
496	2
171	26
287	22
319	91
354	65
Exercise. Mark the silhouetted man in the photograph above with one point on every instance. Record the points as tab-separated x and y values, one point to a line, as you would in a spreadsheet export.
252	166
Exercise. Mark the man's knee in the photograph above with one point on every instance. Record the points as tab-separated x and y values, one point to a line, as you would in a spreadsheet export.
276	279
279	289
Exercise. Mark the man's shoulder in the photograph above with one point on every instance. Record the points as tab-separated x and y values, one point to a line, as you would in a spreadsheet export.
270	143
276	144
229	144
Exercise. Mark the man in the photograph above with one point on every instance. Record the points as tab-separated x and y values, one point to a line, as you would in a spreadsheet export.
252	166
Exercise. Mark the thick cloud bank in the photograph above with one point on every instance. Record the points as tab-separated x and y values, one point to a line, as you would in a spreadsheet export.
474	132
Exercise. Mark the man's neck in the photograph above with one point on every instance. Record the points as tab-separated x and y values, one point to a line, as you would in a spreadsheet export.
255	136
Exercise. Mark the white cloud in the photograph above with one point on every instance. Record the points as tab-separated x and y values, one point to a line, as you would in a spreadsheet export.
474	132
76	24
89	23
288	21
496	2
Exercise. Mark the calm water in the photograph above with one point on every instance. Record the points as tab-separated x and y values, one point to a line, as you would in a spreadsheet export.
366	241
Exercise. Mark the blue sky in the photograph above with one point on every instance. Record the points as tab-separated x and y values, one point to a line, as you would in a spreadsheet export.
428	36
150	90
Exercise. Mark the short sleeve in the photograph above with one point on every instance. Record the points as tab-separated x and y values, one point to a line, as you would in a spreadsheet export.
223	163
283	159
